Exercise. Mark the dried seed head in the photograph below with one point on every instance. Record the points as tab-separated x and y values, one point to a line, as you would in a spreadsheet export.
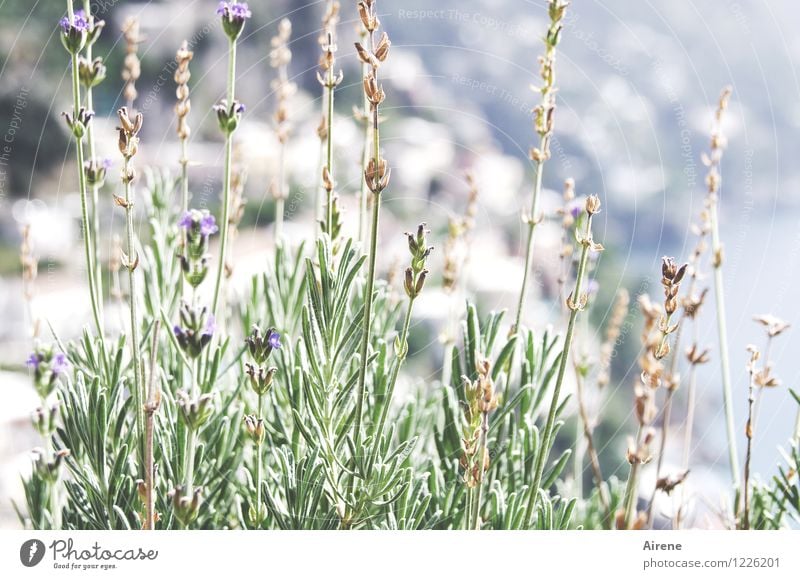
668	484
131	66
593	204
773	325
382	49
183	105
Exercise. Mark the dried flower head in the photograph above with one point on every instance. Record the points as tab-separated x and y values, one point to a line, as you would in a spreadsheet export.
774	325
132	67
183	105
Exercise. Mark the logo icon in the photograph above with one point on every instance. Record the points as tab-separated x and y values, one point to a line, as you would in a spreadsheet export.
31	553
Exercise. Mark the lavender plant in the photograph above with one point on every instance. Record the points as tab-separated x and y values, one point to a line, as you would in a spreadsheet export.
291	406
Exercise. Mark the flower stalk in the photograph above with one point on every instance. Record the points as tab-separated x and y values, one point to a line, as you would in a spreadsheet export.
93	72
128	146
329	79
713	180
576	302
229	114
749	431
260	378
280	58
414	282
74	34
151	407
543	123
376	175
481	400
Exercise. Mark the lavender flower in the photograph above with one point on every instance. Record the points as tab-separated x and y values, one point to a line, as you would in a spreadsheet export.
261	345
233	16
208	225
199	226
274	340
202	222
233	10
33	361
79	22
60	364
210	327
47	367
74	33
228	116
95	171
195	330
186	221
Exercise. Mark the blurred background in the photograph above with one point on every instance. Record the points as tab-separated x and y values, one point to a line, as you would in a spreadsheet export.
638	83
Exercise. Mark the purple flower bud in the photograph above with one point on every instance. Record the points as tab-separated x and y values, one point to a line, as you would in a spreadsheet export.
208	225
210	327
186	221
79	22
60	364
575	210
234	10
106	163
33	361
240	108
274	340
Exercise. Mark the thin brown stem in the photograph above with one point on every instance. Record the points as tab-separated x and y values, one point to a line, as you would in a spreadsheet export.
591	450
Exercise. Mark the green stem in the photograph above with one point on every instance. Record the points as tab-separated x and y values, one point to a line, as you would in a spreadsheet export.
226	181
469	505
87	7
532	222
475	509
749	453
191	434
529	246
364	191
629	499
87	234
373	249
191	440
329	155
545	443
136	359
259	465
391	386
727	396
365	335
